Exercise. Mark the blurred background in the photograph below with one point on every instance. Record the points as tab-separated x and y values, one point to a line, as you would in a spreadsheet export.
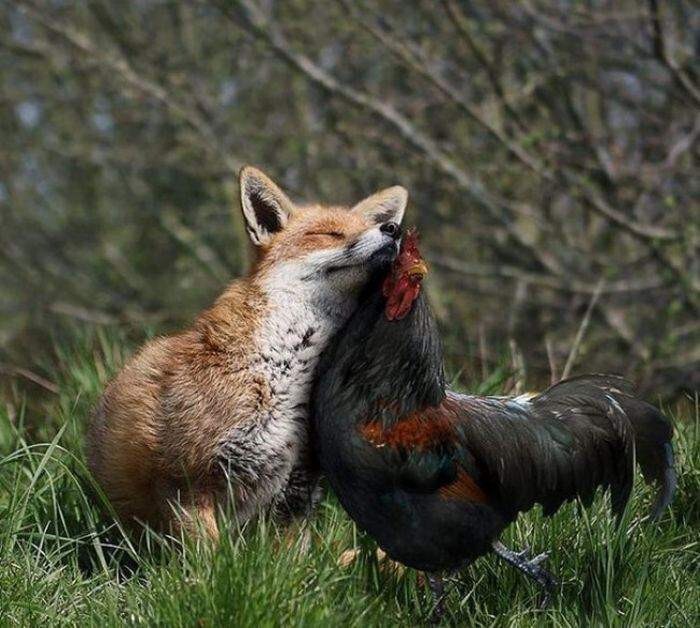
550	149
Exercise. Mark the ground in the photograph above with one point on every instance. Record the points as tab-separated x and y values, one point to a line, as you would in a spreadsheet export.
62	561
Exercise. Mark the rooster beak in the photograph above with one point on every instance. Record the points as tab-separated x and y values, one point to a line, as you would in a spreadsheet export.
418	270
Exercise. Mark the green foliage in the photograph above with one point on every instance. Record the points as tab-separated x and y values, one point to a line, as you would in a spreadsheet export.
64	561
544	145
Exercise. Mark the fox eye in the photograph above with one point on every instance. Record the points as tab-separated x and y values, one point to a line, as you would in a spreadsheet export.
332	234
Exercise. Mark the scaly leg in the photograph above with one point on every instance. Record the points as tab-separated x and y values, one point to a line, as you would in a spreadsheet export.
530	567
437	589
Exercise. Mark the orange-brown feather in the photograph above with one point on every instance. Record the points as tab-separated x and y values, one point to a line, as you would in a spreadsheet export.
464	488
422	429
425	429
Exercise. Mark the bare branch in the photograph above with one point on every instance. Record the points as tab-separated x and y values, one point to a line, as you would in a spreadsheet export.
18	371
661	53
83	314
563	284
682	145
112	62
597	203
462	24
412	59
582	331
553	377
601	206
201	251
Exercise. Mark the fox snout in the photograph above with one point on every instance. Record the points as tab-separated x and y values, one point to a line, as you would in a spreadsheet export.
375	247
385	255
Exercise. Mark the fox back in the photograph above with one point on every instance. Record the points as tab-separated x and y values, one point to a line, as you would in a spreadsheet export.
218	413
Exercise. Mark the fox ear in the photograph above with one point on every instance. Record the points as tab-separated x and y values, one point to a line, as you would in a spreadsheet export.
266	208
387	205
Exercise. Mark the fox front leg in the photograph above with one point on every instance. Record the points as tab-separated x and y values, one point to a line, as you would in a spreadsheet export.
298	499
300	495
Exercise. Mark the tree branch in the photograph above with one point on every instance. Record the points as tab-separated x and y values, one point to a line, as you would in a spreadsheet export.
582	331
662	54
411	58
559	284
121	67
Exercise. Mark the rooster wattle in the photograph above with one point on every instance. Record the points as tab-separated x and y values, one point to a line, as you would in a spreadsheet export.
435	476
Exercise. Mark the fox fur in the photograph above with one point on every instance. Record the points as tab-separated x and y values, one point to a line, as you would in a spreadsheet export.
219	412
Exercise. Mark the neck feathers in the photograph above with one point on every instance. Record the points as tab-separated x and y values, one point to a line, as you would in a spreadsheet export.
387	368
409	354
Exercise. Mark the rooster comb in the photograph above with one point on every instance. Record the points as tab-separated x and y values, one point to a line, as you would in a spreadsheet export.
409	243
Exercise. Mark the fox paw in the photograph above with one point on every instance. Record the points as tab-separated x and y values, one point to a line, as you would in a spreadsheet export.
386	565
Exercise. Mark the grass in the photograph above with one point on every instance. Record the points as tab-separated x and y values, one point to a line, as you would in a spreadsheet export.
63	562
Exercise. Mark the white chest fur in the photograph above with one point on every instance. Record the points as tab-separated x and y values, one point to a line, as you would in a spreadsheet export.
288	348
302	315
300	320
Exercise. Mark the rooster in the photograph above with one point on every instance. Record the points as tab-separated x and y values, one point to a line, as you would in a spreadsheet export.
435	476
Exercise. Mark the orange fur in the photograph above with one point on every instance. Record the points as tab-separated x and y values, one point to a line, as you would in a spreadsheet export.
154	440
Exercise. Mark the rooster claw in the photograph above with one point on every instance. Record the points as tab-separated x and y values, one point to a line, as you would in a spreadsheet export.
548	583
523	553
540	558
532	568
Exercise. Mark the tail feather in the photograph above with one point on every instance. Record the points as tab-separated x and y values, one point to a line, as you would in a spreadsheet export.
651	430
579	435
653	450
669	481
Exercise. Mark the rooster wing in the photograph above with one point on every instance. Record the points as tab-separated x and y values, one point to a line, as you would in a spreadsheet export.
512	453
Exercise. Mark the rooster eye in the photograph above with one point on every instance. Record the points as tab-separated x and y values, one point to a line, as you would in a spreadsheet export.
332	234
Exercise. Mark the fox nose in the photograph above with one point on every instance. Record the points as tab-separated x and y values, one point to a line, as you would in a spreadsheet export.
392	229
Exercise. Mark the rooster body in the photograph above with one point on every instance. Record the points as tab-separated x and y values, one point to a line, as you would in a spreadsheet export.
435	476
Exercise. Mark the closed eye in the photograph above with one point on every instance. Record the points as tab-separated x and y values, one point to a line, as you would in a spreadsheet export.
332	234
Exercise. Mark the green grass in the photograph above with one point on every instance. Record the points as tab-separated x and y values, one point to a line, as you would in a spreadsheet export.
63	562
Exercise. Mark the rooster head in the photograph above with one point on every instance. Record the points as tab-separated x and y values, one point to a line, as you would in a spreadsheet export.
402	285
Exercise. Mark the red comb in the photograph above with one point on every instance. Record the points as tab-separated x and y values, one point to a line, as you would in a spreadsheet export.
409	244
403	283
409	253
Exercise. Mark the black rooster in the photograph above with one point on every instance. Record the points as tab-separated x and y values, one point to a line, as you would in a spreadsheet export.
435	476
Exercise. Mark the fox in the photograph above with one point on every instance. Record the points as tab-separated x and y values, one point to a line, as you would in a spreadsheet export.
216	416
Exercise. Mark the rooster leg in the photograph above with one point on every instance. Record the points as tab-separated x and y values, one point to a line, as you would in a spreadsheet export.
437	589
532	568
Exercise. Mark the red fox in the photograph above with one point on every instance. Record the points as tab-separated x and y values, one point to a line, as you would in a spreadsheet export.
219	412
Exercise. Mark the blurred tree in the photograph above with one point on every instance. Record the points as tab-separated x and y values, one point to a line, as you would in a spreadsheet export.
550	148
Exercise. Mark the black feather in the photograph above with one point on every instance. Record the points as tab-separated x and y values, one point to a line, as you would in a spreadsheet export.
579	435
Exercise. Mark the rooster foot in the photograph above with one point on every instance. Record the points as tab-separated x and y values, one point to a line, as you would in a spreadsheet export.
531	567
524	555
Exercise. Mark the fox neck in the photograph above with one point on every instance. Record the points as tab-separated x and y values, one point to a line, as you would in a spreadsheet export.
300	318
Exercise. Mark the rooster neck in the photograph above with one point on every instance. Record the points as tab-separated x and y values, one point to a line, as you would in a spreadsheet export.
414	360
387	369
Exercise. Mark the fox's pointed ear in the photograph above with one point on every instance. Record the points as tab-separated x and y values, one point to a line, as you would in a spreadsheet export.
387	205
266	208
